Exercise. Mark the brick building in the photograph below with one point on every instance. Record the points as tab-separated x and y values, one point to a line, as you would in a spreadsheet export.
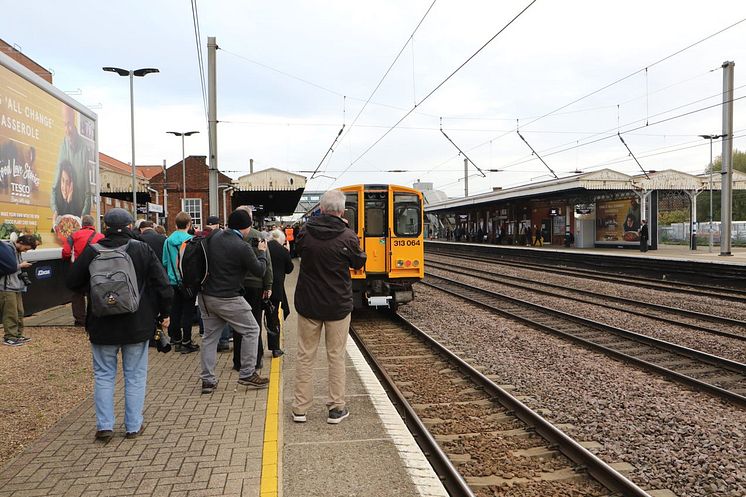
196	199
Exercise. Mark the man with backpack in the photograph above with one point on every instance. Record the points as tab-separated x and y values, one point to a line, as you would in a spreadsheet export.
182	311
221	299
71	250
129	292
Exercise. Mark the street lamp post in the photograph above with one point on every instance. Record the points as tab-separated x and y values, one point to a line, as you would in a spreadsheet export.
139	73
183	161
711	137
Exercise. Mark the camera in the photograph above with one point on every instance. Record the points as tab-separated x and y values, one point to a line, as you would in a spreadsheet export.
255	242
25	278
162	342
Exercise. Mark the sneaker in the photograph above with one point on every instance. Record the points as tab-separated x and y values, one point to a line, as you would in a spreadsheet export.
188	348
223	346
104	435
12	342
277	353
23	339
299	418
208	387
254	381
337	415
135	434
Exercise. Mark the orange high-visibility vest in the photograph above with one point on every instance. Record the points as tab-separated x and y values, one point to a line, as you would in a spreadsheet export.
289	234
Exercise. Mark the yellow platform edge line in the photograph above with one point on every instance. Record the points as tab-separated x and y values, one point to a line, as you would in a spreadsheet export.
269	483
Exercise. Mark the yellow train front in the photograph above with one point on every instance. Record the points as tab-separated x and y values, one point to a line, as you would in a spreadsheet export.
388	220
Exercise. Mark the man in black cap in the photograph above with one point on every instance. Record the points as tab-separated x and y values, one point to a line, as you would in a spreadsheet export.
221	299
129	332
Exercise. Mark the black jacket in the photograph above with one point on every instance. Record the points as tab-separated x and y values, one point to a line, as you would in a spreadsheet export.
230	259
282	264
152	282
155	240
328	249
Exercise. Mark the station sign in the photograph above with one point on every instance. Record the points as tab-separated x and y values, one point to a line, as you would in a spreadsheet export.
583	210
157	208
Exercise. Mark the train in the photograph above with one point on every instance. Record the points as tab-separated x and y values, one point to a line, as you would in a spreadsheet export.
388	221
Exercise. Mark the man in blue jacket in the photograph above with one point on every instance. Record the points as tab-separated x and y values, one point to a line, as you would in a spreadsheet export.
182	311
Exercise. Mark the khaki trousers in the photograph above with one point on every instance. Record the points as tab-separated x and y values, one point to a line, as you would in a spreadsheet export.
309	335
11	308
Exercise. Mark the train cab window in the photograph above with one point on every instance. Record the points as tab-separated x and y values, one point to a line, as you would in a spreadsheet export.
375	214
351	210
407	214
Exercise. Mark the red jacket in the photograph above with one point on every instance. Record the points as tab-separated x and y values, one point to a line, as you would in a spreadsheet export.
79	240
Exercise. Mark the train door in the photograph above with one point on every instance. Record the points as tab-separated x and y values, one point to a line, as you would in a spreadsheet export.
353	215
406	236
375	231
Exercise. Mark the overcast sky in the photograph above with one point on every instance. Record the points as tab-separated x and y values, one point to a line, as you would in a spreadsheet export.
285	67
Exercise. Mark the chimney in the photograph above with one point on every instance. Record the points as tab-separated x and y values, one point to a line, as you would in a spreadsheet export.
251	166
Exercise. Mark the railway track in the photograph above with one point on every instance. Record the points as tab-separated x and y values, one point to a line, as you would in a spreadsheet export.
631	306
480	439
689	288
706	372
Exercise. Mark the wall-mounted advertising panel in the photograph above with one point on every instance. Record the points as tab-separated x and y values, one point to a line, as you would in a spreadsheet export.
618	222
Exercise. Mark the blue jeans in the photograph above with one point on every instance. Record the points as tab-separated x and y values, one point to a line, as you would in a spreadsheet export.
135	367
226	334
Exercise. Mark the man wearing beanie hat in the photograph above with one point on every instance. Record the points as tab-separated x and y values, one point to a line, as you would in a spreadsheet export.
129	332
221	300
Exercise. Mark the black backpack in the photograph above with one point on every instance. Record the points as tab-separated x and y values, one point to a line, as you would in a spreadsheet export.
8	261
193	264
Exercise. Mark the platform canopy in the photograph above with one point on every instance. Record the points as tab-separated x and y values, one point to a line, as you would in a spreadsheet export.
272	192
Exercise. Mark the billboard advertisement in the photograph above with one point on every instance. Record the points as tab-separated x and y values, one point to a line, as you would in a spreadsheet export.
617	221
47	162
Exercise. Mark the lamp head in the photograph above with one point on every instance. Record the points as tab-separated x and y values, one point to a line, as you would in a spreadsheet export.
118	70
142	72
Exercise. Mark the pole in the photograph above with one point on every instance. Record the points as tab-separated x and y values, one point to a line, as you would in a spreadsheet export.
165	195
466	178
710	250
183	174
132	135
213	127
726	200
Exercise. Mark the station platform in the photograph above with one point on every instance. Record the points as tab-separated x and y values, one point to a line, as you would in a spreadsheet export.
234	442
670	252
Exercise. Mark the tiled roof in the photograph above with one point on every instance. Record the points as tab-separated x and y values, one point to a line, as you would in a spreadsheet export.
112	164
150	171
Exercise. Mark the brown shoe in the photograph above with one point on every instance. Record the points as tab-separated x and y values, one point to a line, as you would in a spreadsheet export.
104	435
254	381
135	434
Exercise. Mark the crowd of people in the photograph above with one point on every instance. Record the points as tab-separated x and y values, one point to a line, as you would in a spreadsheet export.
128	286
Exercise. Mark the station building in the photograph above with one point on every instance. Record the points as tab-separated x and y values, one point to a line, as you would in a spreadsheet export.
597	209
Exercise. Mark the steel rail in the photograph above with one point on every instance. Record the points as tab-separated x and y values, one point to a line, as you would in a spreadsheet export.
688	380
637	303
597	468
669	286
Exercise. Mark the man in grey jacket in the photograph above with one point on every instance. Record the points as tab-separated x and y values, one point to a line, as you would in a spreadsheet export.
11	289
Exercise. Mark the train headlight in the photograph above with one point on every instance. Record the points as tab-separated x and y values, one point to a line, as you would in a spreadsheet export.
399	263
408	263
416	263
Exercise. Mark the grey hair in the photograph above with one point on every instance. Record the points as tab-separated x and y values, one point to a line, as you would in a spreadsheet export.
248	209
86	220
279	236
333	201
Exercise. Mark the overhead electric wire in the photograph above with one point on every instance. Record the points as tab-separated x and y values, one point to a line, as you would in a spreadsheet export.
200	57
435	89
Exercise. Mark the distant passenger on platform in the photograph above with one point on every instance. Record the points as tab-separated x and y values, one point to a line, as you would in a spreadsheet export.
152	238
71	250
11	296
282	264
128	332
323	299
644	236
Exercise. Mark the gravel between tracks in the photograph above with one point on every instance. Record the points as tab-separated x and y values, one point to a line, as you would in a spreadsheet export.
685	441
729	348
39	383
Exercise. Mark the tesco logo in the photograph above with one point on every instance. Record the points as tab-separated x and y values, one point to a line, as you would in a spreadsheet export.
43	273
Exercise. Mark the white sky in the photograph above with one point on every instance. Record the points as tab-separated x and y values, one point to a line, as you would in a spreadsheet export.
555	53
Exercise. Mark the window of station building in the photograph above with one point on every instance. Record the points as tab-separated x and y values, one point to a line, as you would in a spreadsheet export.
375	213
193	207
351	210
407	214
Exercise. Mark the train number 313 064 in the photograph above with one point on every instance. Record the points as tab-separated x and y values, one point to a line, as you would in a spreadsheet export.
406	243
